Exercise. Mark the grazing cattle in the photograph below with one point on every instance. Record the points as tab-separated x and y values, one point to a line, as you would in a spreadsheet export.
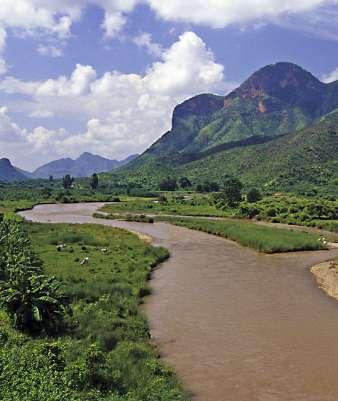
84	261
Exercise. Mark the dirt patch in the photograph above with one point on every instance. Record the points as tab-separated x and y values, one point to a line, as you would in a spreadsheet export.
327	277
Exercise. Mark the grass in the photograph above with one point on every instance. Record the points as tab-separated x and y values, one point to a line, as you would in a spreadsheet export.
294	210
198	205
138	218
15	206
105	355
261	238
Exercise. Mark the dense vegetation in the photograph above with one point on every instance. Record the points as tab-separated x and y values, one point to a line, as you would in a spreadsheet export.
101	351
312	212
303	162
280	208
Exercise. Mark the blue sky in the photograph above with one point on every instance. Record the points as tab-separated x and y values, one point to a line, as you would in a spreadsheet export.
104	75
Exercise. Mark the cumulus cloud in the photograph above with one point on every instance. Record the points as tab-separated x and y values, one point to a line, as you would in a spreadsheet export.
145	40
187	63
55	18
120	113
331	77
218	14
9	131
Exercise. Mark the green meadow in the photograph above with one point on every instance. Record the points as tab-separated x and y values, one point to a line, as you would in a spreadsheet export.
249	234
103	351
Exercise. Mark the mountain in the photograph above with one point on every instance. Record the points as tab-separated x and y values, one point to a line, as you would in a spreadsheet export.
275	100
212	136
301	161
26	173
84	166
9	173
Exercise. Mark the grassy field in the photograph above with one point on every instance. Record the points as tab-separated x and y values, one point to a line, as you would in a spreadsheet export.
15	206
105	353
264	239
198	205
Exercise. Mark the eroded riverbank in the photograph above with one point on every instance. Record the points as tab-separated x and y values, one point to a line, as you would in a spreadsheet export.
236	325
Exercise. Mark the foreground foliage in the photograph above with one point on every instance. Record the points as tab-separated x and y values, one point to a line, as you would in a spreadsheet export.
104	351
33	301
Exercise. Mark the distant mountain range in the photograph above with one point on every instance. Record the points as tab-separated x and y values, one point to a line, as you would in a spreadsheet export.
84	166
278	129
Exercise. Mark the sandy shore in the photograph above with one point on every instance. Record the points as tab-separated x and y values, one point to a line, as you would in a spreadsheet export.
327	277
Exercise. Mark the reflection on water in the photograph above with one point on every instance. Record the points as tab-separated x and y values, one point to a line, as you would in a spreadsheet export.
236	325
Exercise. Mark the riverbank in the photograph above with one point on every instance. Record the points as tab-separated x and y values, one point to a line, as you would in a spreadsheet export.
326	274
103	352
234	323
264	238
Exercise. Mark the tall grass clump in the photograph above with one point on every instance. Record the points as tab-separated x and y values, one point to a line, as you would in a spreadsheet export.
264	239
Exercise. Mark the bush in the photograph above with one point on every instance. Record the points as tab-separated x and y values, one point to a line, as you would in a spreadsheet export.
33	300
253	195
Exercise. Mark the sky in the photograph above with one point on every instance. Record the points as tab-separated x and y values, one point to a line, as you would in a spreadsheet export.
104	76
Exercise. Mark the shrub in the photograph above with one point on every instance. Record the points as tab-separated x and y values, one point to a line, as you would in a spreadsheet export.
253	195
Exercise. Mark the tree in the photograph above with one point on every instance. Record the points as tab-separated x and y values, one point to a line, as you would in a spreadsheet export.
184	182
51	178
232	192
94	181
207	186
33	300
169	184
67	181
253	195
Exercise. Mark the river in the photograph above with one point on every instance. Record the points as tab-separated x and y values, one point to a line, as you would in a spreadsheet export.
236	325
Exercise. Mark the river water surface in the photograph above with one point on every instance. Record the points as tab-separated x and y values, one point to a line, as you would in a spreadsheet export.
235	325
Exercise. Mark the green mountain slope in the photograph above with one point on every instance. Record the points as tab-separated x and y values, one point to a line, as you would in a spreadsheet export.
258	132
276	100
304	160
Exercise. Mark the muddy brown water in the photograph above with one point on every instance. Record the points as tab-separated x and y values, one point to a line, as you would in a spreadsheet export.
236	325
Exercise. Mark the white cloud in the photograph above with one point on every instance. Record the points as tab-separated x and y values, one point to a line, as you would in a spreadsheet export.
78	84
41	114
121	113
54	18
3	36
9	131
331	77
113	24
187	63
49	50
220	13
145	40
